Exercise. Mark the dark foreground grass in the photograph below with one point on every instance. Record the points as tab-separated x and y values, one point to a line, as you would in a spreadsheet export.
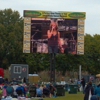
78	96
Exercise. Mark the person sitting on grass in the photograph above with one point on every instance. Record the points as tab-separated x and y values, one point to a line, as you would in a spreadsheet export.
52	90
39	92
46	92
1	80
4	90
1	93
10	90
19	90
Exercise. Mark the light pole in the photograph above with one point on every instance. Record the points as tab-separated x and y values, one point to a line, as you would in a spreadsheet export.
80	75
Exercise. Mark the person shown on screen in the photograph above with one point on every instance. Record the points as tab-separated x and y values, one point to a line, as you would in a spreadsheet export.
53	37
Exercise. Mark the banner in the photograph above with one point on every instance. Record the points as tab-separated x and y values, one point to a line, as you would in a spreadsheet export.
80	37
27	35
52	14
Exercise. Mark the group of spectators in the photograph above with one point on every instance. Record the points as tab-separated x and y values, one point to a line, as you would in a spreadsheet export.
16	90
13	90
90	90
45	91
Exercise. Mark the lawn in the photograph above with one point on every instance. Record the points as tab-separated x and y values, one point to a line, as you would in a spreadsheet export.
78	96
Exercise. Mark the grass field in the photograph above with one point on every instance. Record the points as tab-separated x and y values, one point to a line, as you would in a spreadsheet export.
78	96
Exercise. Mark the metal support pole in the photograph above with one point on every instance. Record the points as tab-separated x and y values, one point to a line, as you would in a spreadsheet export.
52	67
80	72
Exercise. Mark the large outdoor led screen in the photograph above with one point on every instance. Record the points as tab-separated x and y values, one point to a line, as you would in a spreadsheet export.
53	34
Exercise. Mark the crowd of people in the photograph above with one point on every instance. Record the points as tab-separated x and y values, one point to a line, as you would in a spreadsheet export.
15	90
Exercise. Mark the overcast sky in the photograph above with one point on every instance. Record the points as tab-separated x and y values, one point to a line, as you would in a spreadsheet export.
91	7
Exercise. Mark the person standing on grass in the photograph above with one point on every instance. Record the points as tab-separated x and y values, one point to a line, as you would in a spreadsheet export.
89	91
97	91
83	84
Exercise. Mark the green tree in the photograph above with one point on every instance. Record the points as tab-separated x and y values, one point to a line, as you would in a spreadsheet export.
92	54
38	62
11	32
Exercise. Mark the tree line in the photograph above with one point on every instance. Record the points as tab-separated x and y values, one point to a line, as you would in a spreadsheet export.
11	46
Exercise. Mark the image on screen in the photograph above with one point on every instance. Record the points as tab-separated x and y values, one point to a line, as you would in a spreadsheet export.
53	35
